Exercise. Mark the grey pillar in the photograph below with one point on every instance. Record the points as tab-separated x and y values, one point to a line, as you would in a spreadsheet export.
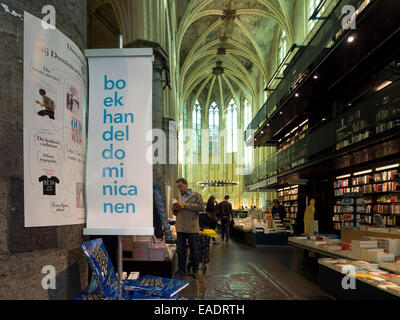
160	58
25	251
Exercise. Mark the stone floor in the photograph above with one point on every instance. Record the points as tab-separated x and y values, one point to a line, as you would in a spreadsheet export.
239	271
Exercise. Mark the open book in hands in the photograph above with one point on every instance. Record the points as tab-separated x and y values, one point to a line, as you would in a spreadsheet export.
177	205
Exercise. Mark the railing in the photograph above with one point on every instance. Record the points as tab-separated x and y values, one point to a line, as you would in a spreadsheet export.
303	63
365	121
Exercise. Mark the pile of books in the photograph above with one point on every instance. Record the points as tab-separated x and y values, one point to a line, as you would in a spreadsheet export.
373	251
157	252
278	226
366	271
152	287
140	249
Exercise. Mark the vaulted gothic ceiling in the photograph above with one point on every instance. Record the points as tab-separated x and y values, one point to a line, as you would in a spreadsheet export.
220	49
224	46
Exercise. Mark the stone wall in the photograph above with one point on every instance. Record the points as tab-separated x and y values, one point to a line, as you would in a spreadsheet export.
24	251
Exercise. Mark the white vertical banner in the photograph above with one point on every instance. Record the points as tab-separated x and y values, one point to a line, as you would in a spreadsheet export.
55	79
119	179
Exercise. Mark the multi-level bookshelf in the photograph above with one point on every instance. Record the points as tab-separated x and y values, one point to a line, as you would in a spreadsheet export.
294	136
360	195
388	117
353	128
289	199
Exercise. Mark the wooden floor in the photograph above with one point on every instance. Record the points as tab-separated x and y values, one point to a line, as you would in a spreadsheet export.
239	271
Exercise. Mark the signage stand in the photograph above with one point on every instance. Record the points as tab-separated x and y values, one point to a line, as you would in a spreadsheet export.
121	52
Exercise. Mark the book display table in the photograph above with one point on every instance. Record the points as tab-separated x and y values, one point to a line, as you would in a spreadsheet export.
367	285
266	239
310	246
330	281
259	238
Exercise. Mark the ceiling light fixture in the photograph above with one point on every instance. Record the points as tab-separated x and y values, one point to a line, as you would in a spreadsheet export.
344	176
362	172
351	39
303	123
296	95
383	85
315	76
216	183
388	167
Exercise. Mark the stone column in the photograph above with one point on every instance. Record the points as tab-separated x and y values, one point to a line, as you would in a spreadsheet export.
25	251
160	175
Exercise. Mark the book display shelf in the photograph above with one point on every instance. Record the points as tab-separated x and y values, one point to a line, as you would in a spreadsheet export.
360	195
353	128
285	155
388	117
289	198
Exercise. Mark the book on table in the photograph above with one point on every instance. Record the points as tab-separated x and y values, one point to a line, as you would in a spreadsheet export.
157	286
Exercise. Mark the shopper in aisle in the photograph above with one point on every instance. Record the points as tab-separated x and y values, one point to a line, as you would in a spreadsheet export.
211	210
278	209
187	225
225	214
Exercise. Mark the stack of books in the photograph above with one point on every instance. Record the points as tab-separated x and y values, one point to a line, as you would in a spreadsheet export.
157	252
358	245
140	251
366	265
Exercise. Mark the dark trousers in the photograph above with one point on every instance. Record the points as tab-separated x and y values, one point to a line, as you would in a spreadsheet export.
181	250
46	113
225	226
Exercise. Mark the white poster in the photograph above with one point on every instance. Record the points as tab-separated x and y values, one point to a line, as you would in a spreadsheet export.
54	131
119	179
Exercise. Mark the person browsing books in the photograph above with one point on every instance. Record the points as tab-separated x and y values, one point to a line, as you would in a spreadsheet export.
225	214
278	210
187	225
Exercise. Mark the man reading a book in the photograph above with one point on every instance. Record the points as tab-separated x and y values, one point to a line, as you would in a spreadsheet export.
187	225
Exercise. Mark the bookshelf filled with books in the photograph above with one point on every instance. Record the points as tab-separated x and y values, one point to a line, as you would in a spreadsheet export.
289	198
353	128
361	195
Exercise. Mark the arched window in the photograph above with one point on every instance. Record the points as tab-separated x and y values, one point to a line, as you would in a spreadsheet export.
196	126
231	127
185	118
213	123
282	48
248	150
312	5
183	137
